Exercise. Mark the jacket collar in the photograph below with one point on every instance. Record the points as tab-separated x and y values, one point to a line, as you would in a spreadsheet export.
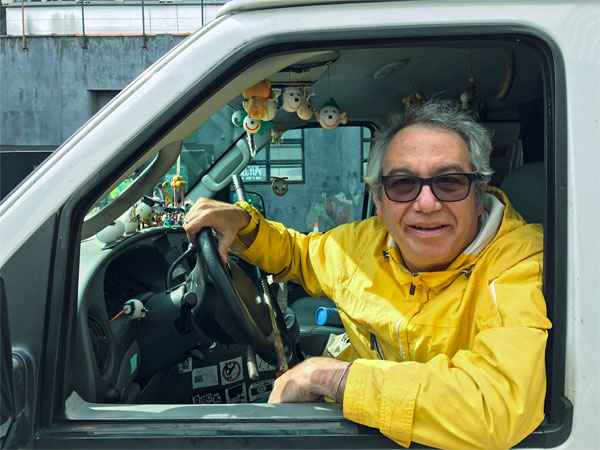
498	218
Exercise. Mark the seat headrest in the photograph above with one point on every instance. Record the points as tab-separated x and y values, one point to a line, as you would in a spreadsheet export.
526	190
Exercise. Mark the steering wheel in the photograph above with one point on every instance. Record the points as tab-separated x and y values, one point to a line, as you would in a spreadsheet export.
254	326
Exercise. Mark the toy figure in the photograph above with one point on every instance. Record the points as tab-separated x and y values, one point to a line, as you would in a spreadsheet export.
178	183
257	105
330	116
306	108
413	99
292	98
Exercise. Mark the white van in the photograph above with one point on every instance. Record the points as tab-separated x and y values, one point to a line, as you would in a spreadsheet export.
99	224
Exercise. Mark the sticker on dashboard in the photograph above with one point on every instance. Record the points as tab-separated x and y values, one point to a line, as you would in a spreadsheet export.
185	366
236	394
204	377
231	371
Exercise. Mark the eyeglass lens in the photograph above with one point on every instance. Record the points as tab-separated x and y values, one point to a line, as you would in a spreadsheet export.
448	188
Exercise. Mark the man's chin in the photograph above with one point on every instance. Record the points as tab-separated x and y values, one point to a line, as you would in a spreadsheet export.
429	260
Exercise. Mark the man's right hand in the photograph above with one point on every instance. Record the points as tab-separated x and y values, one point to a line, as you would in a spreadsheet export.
226	219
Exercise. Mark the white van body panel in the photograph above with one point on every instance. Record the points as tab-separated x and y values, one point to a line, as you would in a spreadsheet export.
569	28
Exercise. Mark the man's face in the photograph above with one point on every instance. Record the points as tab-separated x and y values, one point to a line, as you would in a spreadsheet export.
429	233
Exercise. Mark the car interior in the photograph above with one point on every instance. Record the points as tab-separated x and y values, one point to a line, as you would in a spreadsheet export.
161	322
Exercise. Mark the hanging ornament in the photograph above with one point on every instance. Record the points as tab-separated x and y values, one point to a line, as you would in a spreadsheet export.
306	109
276	136
330	115
271	110
468	96
252	125
279	185
291	98
413	99
257	99
238	117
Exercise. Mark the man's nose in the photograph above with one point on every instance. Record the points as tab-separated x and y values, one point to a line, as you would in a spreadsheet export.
426	202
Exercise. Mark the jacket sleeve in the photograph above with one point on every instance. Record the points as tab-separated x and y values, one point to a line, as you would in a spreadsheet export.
488	396
293	256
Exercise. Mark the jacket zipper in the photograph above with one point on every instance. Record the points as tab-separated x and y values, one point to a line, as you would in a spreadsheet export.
399	340
375	346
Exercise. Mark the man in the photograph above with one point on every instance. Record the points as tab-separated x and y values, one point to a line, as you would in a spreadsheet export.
440	294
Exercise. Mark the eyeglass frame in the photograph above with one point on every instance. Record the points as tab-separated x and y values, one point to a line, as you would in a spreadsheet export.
471	176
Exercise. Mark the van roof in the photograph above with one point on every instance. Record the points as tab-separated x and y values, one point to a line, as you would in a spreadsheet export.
237	6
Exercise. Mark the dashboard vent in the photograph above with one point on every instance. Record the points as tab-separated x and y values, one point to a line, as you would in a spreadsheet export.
100	344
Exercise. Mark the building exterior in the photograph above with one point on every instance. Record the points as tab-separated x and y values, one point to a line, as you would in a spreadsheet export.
61	61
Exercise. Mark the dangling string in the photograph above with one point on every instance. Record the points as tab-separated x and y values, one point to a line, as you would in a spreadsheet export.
329	78
251	145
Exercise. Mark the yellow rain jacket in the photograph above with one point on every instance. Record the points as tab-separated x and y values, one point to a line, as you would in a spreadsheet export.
451	359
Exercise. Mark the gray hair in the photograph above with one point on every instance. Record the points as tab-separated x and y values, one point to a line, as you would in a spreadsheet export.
435	113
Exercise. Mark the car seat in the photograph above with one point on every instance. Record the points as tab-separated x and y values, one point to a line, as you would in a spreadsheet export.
526	190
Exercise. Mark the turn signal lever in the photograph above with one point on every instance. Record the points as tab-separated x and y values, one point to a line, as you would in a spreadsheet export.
183	324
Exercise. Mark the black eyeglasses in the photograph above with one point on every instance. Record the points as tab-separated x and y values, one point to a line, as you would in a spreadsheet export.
449	187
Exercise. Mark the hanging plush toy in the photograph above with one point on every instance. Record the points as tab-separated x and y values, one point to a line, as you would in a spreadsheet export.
276	136
413	99
330	115
238	117
253	126
271	110
306	109
279	185
257	105
292	98
467	97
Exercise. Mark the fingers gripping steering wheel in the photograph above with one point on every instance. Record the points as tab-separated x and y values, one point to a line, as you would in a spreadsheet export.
259	337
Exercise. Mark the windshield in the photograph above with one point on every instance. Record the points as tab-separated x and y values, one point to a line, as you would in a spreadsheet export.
200	150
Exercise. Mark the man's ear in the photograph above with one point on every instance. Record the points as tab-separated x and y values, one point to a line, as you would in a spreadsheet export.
377	202
378	209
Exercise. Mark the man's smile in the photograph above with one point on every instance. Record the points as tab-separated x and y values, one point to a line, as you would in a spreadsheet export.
428	230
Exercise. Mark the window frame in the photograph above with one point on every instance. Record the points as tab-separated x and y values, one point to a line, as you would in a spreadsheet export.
268	163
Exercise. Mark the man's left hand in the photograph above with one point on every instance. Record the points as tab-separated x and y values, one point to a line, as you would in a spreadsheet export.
310	381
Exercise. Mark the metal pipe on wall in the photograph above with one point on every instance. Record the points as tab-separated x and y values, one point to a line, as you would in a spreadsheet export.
23	24
144	38
84	45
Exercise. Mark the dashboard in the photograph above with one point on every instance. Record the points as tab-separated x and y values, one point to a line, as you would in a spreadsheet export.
115	357
164	356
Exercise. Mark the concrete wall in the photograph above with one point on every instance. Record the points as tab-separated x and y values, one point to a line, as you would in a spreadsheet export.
49	91
53	88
